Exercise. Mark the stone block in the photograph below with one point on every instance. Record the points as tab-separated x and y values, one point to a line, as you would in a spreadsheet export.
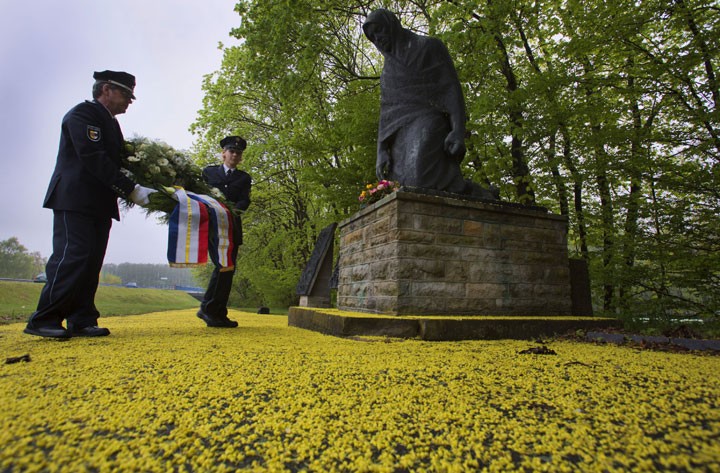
486	290
511	244
435	224
437	289
457	270
491	272
476	229
411	269
352	237
414	236
379	226
457	240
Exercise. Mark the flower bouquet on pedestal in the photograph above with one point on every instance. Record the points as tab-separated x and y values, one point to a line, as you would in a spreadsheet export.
374	192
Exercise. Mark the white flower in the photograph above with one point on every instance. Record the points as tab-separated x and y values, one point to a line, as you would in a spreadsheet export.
133	159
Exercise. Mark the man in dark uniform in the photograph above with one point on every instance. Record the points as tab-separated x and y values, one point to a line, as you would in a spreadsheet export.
83	194
235	185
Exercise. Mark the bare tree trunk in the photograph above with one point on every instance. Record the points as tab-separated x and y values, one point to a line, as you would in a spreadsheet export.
557	178
577	193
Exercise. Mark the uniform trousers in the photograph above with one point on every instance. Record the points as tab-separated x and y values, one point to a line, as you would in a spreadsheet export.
73	271
216	297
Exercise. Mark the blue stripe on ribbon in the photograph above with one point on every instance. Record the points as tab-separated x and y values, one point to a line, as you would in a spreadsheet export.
173	225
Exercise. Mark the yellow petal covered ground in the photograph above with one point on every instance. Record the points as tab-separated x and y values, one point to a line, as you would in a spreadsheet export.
165	393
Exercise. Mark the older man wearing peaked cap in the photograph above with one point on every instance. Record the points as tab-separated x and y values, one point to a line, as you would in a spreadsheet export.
82	194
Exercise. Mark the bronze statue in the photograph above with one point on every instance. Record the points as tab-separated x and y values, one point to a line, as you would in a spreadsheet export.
421	135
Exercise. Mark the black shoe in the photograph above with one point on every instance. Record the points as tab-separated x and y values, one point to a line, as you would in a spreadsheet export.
91	331
216	322
48	332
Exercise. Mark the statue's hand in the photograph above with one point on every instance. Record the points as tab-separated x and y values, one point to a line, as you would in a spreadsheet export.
383	163
455	146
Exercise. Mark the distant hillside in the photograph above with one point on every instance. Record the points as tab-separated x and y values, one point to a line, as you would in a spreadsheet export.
152	275
19	299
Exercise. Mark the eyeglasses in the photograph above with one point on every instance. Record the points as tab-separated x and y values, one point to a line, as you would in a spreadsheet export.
125	93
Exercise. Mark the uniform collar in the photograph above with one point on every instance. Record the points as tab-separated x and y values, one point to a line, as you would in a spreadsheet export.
103	106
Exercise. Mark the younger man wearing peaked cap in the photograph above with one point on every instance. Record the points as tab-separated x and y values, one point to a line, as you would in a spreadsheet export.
235	185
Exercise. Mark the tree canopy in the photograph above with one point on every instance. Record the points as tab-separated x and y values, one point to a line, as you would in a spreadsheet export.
604	111
16	262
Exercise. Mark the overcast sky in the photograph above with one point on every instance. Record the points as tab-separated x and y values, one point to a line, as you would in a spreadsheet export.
49	50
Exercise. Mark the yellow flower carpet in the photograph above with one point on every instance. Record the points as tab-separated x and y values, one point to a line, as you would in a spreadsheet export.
165	393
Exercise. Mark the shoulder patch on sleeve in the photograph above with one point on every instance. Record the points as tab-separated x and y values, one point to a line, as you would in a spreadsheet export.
93	133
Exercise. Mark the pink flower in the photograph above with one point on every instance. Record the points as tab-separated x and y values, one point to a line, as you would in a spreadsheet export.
378	191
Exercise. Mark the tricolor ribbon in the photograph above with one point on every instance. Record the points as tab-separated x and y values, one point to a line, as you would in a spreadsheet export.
200	225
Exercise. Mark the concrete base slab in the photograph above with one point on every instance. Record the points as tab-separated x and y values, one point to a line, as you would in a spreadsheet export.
437	328
687	343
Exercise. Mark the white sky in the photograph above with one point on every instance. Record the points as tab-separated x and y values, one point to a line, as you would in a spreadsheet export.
49	50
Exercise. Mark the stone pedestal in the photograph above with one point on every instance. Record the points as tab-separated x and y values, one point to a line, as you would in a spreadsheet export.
421	254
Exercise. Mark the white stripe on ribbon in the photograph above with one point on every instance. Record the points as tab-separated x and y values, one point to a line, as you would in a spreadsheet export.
223	216
187	247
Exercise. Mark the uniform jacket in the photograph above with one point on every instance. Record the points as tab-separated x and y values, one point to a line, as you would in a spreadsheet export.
235	188
87	176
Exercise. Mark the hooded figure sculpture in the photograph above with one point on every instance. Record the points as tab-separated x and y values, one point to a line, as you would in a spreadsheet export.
421	135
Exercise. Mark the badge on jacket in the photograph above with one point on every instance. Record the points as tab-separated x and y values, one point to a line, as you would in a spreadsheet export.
93	133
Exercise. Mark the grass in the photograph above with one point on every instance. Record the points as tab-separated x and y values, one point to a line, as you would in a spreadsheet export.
19	299
165	393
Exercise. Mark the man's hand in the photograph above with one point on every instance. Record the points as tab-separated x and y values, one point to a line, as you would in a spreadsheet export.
172	192
455	146
383	162
141	195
